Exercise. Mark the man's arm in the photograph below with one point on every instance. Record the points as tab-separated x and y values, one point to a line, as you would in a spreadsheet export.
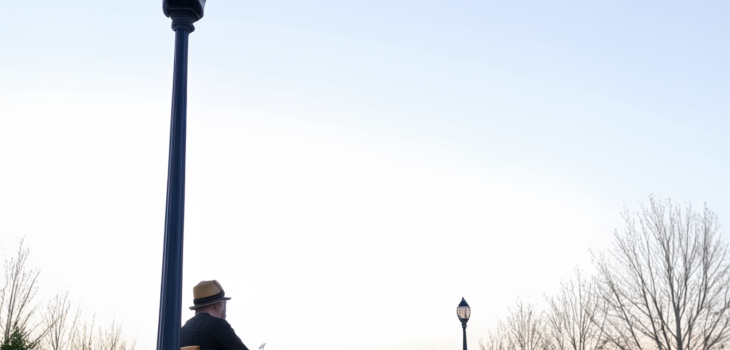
227	337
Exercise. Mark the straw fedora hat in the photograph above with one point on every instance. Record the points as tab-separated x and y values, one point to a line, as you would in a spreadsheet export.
207	293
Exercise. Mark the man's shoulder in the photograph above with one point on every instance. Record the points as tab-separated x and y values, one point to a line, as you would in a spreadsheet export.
205	321
206	329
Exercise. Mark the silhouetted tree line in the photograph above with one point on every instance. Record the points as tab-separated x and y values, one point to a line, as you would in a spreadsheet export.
664	284
56	324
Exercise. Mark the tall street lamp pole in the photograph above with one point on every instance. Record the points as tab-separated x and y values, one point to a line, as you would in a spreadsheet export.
183	14
463	311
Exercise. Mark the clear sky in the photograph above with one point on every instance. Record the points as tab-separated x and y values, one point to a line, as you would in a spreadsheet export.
354	168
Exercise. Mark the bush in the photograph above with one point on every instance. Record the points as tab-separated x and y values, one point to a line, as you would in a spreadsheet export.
17	341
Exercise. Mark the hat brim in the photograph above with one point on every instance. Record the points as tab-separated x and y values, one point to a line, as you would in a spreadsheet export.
209	303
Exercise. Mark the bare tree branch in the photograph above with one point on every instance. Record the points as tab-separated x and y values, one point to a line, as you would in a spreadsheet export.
666	281
574	320
60	321
17	297
497	339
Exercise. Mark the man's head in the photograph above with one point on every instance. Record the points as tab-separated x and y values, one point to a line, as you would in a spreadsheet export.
210	298
216	310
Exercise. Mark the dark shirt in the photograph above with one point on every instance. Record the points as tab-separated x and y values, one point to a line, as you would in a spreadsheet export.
210	333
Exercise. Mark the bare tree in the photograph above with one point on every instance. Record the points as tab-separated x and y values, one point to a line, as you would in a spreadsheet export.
497	339
86	337
574	320
55	327
110	338
666	280
16	298
83	336
522	330
525	327
60	321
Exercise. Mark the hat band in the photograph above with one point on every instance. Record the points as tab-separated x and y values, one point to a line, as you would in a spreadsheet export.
209	299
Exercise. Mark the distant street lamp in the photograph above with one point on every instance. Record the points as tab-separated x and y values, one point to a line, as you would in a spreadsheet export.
183	14
463	311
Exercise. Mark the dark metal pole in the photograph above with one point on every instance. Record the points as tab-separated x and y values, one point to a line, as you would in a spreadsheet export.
168	331
463	327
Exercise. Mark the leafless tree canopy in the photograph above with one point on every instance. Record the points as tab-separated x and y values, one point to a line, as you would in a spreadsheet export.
84	337
522	330
76	335
17	297
497	339
58	325
666	280
525	327
664	284
111	338
87	337
60	320
574	319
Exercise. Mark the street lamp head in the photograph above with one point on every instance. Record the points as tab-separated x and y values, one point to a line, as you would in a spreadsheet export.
463	311
195	7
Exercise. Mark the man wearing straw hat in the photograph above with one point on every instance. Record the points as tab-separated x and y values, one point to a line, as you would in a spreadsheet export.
209	329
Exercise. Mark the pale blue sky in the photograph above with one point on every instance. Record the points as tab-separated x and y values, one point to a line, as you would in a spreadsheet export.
378	156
